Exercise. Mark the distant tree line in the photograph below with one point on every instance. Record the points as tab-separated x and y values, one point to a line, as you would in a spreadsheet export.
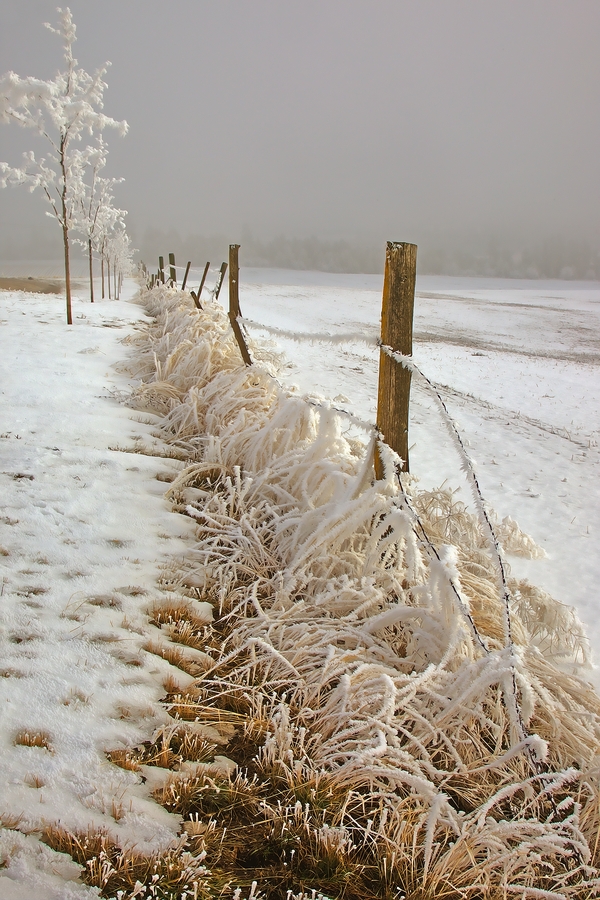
552	257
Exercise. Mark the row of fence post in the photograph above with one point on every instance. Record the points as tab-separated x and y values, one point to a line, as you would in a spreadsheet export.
160	278
397	311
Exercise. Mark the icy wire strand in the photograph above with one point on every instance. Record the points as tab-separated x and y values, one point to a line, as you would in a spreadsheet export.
310	337
349	337
372	429
468	464
419	528
468	468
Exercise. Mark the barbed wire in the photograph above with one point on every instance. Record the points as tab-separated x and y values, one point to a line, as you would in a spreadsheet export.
468	464
312	337
468	468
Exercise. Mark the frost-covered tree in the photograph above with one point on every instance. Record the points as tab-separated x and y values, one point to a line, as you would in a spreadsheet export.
121	253
62	111
110	224
95	217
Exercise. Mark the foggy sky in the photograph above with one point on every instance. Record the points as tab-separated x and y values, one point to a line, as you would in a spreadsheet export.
362	119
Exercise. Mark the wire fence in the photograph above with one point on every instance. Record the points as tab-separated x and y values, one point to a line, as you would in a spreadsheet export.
242	325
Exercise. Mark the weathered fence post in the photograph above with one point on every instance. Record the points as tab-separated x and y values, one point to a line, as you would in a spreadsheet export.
161	269
172	270
196	296
396	332
234	302
219	283
234	275
187	272
199	295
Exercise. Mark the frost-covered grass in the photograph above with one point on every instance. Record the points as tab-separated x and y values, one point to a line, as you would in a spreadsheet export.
404	730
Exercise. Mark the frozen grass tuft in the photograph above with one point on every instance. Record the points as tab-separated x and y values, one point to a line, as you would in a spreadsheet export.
123	874
169	748
33	739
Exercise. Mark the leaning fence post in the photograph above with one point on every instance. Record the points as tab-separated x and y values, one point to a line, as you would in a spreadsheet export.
396	332
219	283
187	272
234	302
172	270
204	274
198	295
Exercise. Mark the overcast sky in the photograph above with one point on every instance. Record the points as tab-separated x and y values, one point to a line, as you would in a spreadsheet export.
376	119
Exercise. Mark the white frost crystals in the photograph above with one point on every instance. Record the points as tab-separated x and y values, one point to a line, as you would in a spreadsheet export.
471	763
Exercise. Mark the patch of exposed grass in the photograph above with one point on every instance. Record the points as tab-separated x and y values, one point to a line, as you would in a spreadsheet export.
105	601
175	657
35	781
169	748
159	452
111	869
33	739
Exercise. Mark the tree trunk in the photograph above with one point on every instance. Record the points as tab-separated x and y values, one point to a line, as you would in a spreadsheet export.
102	270
67	273
65	228
91	271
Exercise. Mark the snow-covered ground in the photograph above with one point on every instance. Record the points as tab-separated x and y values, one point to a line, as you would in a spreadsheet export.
84	528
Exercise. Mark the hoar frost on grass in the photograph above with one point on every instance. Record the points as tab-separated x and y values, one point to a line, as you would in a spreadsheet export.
383	737
465	762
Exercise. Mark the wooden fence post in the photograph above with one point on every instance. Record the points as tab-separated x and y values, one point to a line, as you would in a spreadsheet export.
234	275
161	269
234	302
219	283
204	274
172	270
396	332
187	272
